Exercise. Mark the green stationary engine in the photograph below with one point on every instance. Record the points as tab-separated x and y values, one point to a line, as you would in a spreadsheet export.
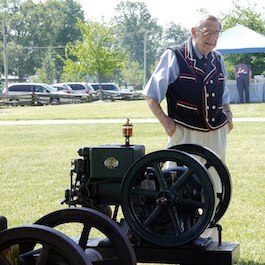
168	197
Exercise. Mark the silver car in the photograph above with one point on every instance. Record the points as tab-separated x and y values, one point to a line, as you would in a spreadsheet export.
80	87
40	93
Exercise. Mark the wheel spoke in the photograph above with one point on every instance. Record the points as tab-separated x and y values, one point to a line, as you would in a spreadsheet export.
145	193
3	261
26	255
208	164
182	179
192	203
159	175
84	236
153	216
44	255
175	220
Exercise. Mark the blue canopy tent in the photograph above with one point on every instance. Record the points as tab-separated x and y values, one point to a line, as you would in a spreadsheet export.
240	39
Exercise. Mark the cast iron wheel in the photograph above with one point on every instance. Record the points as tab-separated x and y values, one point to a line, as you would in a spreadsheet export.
41	245
90	218
212	160
167	211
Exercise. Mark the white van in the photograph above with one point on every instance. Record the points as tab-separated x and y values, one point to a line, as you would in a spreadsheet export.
17	89
105	86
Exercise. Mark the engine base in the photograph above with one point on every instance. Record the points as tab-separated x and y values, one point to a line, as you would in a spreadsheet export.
225	254
196	253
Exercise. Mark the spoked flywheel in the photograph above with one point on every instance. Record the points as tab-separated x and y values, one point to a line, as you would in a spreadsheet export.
121	249
218	172
167	207
39	245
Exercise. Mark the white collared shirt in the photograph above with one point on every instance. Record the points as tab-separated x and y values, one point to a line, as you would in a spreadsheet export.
166	72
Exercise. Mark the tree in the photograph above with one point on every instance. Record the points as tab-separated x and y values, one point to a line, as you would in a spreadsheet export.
248	17
31	35
47	73
139	33
62	22
98	54
133	74
37	27
175	34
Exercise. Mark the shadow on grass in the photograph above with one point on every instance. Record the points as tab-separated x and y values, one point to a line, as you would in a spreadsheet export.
247	262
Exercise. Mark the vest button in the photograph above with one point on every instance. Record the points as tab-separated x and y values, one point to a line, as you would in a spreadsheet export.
213	119
213	107
213	94
211	81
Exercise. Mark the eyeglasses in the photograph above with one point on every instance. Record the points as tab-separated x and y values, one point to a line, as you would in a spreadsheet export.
207	33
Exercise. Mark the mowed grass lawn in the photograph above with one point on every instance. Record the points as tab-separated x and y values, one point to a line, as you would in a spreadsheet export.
36	162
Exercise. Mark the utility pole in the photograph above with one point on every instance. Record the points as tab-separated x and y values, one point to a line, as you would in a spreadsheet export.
5	57
144	81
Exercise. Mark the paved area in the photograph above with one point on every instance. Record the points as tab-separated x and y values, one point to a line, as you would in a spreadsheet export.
119	121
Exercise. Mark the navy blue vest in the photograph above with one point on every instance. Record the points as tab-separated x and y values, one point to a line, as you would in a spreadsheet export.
195	99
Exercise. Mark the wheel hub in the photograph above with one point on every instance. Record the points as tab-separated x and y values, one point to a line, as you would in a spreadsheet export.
166	199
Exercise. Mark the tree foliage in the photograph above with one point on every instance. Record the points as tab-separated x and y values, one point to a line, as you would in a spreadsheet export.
37	27
139	33
63	17
175	34
133	74
98	54
97	50
47	73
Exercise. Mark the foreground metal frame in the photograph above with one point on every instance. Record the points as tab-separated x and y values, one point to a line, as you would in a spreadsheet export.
198	252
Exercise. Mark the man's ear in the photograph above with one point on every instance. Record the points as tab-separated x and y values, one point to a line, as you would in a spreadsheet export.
193	31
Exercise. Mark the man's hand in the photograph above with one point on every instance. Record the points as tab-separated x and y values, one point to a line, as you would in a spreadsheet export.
166	121
229	117
170	126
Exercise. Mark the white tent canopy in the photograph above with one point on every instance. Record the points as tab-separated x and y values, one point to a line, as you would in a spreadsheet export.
240	39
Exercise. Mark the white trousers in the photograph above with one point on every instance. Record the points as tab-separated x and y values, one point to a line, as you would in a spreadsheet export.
214	140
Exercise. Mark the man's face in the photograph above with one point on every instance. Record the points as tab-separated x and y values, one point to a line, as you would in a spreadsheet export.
206	36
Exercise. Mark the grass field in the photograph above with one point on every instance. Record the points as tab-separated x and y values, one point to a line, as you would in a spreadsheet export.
35	163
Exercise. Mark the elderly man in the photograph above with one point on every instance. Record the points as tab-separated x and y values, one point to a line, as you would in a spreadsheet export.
192	78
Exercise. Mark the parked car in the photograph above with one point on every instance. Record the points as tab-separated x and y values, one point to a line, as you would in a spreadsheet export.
79	87
105	86
63	87
111	91
24	89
